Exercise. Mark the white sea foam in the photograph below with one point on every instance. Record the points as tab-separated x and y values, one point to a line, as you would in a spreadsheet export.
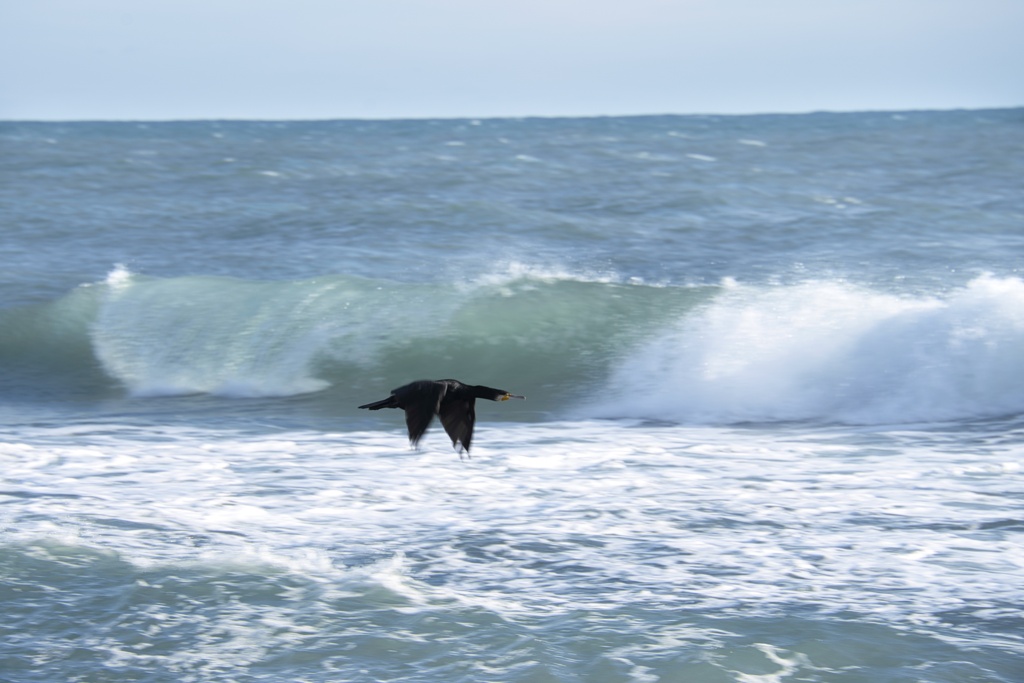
597	494
833	351
302	540
210	335
512	271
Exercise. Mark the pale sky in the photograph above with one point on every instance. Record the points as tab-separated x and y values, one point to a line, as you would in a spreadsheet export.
325	59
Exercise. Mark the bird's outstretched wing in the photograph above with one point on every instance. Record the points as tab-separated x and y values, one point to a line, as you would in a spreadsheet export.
458	418
421	401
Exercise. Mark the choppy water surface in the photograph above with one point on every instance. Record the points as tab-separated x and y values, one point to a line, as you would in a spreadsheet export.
560	551
774	379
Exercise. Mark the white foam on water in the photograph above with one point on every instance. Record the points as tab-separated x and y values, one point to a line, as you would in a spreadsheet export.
544	524
834	352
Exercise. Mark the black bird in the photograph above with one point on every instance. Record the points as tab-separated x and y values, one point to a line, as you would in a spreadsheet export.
449	399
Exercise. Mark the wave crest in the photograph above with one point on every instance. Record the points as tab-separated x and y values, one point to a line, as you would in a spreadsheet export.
824	351
834	352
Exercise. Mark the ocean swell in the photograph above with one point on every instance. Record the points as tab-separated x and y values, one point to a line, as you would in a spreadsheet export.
577	346
546	333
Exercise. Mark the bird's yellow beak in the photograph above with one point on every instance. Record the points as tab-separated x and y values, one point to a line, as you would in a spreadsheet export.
508	396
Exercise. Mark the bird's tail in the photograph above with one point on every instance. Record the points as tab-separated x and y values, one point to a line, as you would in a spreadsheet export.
388	402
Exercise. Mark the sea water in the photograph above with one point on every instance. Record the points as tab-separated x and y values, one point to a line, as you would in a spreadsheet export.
774	427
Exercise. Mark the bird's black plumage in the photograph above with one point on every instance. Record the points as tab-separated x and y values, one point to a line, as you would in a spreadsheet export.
449	399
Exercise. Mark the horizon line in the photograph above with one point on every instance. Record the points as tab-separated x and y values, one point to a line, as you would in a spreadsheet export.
324	119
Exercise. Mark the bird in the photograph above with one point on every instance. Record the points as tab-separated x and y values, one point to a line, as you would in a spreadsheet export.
449	399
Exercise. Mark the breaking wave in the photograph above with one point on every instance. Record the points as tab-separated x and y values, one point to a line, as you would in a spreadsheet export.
834	352
576	345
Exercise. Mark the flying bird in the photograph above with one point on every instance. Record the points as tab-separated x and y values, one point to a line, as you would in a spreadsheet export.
449	399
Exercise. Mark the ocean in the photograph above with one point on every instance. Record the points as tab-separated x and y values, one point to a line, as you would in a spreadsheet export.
773	428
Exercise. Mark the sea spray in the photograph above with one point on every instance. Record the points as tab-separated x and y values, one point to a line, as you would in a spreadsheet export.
831	351
555	332
205	335
578	345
